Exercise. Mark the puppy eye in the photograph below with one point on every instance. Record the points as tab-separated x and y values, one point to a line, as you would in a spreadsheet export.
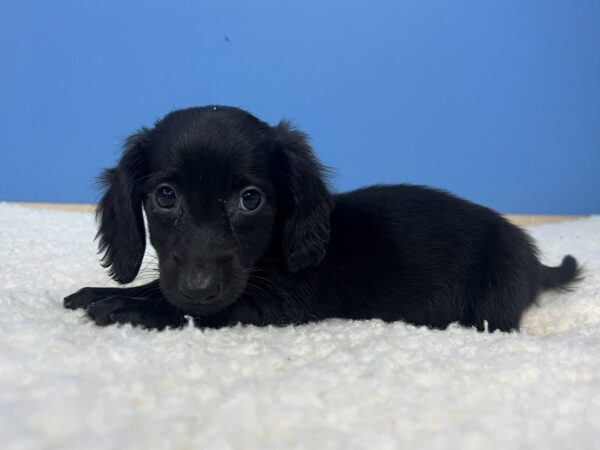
165	197
250	199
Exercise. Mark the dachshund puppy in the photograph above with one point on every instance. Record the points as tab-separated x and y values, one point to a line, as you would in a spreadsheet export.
247	231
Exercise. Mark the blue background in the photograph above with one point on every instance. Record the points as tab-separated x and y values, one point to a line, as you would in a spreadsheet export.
496	101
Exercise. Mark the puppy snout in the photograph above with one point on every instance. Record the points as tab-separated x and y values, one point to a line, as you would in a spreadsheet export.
200	289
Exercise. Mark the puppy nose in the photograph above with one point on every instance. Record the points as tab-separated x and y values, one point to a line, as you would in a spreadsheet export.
200	289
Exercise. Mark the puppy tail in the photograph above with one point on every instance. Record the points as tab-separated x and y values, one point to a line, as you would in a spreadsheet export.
563	276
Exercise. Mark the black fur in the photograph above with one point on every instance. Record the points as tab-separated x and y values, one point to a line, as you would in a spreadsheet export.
396	252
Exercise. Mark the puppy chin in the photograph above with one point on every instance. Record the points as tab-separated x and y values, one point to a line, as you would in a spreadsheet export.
206	310
199	309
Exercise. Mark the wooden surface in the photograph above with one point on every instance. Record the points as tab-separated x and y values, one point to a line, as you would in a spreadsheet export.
61	206
519	219
525	220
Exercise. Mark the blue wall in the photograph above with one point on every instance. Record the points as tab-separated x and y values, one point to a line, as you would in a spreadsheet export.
496	101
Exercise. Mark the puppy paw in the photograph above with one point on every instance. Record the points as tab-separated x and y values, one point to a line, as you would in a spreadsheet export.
83	298
105	308
146	313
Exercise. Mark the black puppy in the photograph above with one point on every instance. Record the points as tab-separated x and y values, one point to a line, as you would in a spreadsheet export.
247	231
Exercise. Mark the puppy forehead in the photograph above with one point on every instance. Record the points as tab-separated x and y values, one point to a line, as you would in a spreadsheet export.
214	150
209	127
217	166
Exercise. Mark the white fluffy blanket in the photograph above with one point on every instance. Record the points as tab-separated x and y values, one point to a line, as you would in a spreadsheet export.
66	383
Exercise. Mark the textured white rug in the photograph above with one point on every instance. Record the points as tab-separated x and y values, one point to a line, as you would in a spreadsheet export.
65	383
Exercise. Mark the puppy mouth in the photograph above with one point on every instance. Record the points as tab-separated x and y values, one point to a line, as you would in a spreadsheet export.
206	307
203	309
201	302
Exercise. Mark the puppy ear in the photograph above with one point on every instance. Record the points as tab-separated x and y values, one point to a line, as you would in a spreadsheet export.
305	199
121	233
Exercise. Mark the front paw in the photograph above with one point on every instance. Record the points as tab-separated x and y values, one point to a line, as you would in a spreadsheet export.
83	297
147	313
150	313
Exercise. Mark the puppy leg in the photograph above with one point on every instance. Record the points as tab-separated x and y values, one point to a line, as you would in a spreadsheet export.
150	313
502	310
506	285
88	295
140	306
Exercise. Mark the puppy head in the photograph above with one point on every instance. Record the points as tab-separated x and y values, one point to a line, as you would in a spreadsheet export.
223	193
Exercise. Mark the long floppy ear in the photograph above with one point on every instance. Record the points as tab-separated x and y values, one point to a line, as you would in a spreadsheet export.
305	199
121	233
